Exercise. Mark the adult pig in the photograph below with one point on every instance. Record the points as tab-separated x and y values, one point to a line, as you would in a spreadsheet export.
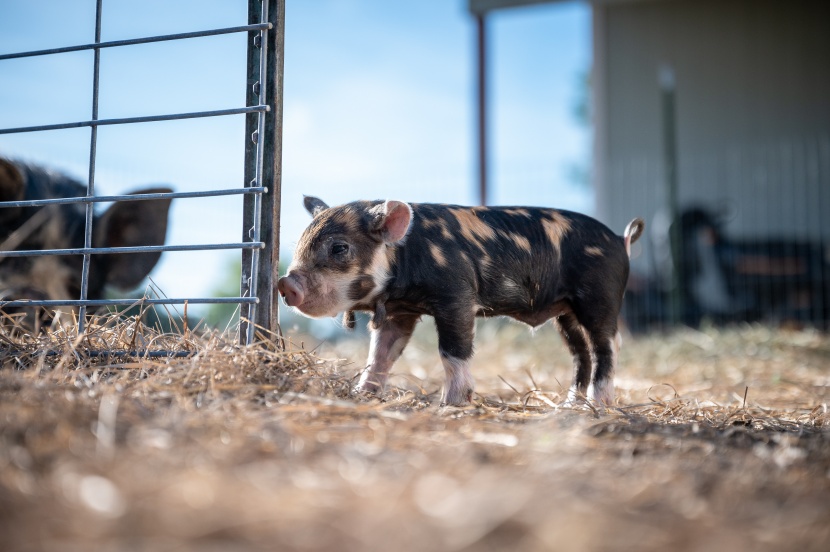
124	224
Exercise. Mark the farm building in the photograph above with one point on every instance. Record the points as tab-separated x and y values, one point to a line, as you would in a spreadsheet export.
714	113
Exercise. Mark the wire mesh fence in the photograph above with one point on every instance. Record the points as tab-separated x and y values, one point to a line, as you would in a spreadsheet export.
754	236
261	190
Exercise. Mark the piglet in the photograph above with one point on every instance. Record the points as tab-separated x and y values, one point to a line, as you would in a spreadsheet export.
401	261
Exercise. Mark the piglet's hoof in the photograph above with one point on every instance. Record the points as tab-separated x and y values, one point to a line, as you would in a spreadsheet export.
458	397
368	387
575	399
601	394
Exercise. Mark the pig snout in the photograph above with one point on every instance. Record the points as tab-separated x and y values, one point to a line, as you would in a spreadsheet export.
291	290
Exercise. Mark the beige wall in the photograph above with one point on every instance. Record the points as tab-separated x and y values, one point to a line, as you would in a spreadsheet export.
753	110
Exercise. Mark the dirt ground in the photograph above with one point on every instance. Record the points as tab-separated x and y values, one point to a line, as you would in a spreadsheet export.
719	440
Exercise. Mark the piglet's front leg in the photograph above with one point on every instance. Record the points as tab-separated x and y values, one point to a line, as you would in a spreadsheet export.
388	341
456	331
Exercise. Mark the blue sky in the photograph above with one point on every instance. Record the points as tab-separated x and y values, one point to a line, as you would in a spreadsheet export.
379	103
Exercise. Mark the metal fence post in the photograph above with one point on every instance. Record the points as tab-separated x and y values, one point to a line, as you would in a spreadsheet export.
258	277
90	186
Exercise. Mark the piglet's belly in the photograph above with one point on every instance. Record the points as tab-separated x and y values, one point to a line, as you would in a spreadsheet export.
531	317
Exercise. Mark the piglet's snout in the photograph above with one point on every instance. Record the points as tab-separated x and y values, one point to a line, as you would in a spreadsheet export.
291	291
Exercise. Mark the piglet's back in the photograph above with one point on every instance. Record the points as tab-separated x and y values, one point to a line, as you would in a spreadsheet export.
505	259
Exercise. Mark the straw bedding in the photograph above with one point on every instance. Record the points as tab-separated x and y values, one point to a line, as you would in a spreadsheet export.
719	439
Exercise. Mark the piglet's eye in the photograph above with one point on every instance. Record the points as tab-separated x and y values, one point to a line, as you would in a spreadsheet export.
339	249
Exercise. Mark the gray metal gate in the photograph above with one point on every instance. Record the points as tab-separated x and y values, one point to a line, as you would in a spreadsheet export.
262	172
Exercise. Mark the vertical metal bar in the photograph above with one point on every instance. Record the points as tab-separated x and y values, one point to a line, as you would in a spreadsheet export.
602	164
769	156
668	87
251	123
268	270
257	206
90	187
482	107
260	143
263	166
822	184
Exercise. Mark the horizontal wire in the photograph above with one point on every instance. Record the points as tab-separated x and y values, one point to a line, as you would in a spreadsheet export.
131	41
136	249
127	301
133	197
145	119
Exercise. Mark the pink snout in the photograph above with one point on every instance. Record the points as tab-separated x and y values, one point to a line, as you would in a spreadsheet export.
291	290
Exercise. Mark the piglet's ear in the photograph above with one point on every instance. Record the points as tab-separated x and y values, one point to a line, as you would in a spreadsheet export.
131	224
393	220
314	205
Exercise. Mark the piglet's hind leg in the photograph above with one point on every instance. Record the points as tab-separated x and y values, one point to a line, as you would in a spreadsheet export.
601	390
574	337
598	317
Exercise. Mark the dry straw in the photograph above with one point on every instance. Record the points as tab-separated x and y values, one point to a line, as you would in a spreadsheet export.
126	437
196	361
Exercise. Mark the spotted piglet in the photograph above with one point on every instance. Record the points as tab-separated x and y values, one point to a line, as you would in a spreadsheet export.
401	261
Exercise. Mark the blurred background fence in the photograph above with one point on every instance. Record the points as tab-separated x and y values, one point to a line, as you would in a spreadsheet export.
753	238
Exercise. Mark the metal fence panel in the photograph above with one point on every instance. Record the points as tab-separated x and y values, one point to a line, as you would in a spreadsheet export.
261	190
